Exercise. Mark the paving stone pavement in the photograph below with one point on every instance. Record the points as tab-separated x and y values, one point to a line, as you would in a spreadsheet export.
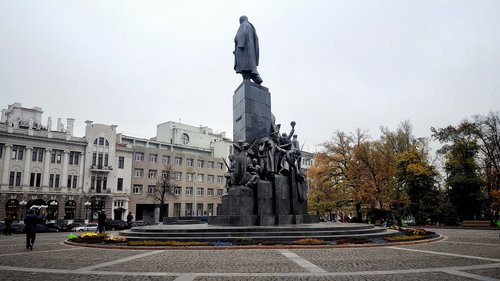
465	254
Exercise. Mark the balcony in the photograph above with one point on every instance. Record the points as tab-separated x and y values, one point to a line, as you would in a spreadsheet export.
100	168
100	191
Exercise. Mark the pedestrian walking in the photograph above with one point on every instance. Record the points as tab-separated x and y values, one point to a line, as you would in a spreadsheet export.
8	225
30	221
101	222
130	218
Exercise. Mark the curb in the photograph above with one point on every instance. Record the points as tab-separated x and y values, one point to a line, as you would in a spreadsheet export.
256	247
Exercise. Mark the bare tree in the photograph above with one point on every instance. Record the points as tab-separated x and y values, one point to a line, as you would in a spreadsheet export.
163	189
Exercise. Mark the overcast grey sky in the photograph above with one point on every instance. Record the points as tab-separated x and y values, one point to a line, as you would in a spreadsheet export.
329	65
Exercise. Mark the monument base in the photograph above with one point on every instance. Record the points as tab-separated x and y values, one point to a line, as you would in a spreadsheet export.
223	220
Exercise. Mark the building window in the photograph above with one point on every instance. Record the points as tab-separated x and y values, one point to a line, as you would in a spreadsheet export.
184	138
210	192
100	159
98	183
220	166
210	178
210	209
166	159
101	141
72	181
189	162
199	191
178	176
121	162
220	179
177	190
54	180
189	209
151	189
189	176
153	158
35	179
178	161
1	149
56	156
119	204
177	210
139	173
139	156
15	179
189	191
219	192
17	152
199	177
210	164
199	209
119	184
74	157
152	174
37	154
137	189
201	163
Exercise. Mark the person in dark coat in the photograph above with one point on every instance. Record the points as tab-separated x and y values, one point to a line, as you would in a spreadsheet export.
130	218
8	225
30	221
101	222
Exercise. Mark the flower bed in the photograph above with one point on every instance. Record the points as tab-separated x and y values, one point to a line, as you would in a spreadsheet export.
96	238
309	241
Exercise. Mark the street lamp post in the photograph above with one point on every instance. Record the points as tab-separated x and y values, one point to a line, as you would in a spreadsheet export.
23	204
87	206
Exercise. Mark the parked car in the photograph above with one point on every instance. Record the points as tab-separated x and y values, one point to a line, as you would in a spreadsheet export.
54	226
140	223
116	224
87	227
43	228
18	227
72	225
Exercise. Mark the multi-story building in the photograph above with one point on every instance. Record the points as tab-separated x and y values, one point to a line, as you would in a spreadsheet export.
40	166
195	158
105	171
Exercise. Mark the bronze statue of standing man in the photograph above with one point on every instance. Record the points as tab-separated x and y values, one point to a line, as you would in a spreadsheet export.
246	51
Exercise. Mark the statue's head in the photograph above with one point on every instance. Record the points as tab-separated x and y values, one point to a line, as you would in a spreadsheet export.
254	161
243	19
294	137
284	135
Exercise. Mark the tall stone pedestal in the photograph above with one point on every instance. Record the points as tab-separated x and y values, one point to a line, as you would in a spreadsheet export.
252	116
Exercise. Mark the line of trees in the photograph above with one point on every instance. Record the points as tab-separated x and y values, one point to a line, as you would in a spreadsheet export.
395	177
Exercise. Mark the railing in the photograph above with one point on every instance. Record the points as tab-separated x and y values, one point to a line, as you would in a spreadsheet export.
100	168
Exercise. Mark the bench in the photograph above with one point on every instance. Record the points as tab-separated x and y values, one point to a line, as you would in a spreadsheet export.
476	223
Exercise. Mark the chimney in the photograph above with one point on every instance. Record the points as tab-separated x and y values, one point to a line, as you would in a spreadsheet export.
60	126
49	124
70	123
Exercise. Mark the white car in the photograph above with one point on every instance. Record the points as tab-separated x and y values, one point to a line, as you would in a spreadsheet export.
87	227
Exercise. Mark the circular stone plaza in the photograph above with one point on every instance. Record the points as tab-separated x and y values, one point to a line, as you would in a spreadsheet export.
463	254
